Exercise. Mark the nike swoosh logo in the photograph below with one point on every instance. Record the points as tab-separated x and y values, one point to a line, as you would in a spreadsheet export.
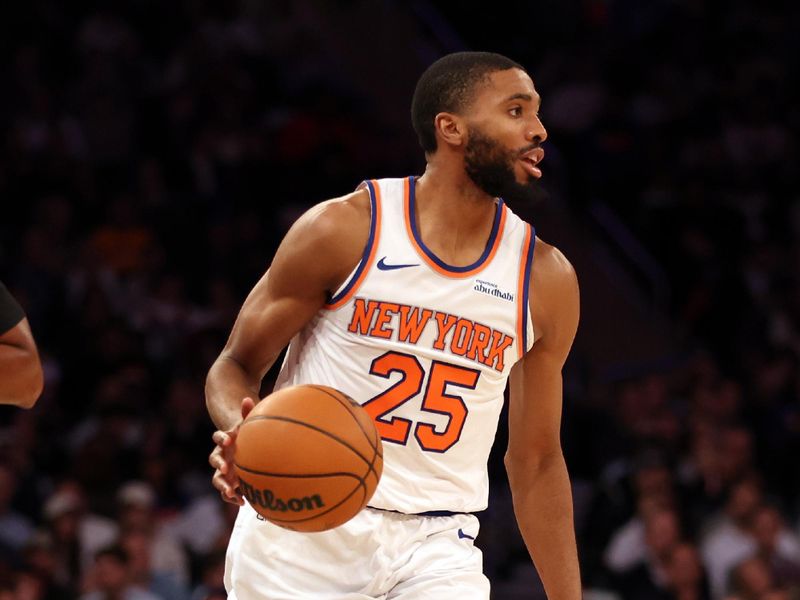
384	267
464	536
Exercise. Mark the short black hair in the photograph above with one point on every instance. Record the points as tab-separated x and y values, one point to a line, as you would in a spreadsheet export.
447	86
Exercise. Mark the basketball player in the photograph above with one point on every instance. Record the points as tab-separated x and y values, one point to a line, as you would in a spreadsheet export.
419	297
21	378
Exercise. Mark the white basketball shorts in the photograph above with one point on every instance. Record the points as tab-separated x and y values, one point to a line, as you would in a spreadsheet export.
377	555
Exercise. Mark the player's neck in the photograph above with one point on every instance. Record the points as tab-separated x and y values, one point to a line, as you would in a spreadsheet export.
446	191
454	217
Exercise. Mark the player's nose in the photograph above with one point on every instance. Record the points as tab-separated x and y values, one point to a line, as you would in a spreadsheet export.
536	131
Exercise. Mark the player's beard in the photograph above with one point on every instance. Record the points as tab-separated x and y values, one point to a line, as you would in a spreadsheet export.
491	167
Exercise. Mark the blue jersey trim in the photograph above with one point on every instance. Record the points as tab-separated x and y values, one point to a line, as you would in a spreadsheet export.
526	288
373	203
412	208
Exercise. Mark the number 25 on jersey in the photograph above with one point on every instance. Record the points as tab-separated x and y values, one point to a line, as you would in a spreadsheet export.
434	400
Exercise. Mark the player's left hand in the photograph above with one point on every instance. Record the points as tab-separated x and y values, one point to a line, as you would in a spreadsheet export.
221	459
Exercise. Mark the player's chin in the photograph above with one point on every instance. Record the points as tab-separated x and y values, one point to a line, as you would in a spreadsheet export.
526	181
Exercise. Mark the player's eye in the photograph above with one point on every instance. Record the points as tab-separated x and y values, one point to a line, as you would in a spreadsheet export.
516	111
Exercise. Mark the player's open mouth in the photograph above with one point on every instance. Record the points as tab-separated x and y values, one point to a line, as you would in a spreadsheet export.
530	160
531	168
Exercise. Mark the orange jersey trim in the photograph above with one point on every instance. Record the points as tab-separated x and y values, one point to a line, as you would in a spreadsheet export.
368	257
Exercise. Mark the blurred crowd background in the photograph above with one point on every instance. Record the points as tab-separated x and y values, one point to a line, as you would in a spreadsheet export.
152	154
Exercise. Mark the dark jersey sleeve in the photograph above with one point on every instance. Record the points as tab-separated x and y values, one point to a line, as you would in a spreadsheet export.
11	312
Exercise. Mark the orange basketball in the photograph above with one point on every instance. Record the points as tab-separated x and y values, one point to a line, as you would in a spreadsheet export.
308	458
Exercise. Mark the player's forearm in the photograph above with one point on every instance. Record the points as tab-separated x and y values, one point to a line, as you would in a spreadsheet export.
227	384
21	379
543	507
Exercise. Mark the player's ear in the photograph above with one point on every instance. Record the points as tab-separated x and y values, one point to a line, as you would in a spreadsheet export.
450	128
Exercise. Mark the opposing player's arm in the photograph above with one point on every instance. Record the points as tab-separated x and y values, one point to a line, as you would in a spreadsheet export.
535	463
21	378
314	259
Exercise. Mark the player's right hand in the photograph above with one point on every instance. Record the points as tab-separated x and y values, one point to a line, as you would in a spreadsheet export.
221	459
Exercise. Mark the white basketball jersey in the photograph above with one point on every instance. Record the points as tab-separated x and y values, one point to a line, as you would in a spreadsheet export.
426	348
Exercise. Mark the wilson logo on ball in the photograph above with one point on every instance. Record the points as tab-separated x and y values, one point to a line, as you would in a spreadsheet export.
308	458
266	499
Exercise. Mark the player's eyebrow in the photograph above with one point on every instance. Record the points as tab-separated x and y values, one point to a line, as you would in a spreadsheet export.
526	97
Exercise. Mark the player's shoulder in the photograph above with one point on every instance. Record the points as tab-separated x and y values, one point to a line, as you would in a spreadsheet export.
344	215
330	237
550	264
334	225
555	296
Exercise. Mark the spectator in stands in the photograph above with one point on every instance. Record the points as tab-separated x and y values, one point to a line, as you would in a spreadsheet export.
686	578
628	543
778	547
162	583
40	558
111	577
15	528
751	579
77	533
728	538
164	555
649	578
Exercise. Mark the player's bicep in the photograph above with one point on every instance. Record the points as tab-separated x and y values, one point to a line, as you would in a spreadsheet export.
555	302
534	407
266	323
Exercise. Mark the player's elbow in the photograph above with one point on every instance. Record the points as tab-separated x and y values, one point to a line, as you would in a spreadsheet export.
34	385
28	385
524	463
